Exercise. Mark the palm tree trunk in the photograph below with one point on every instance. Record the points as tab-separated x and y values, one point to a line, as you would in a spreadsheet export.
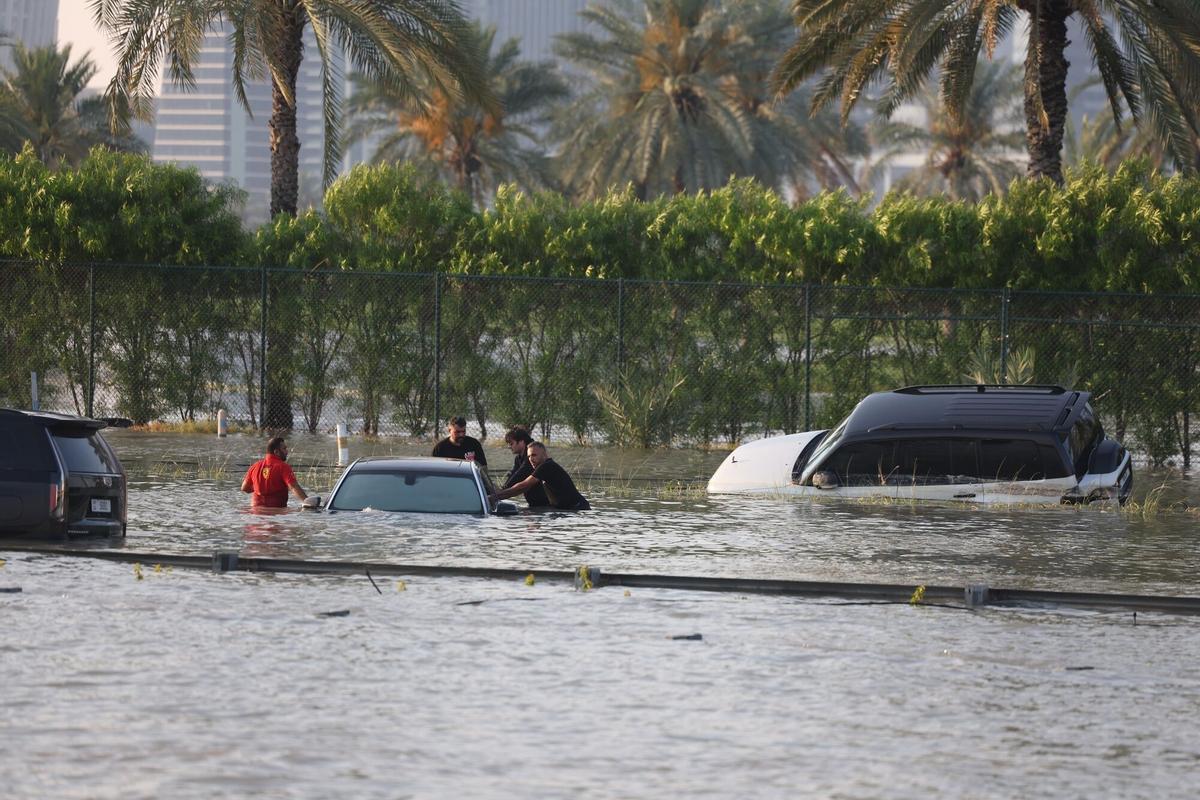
285	144
285	189
1046	69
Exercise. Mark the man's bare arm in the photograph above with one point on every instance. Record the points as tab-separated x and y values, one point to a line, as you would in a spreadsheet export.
516	488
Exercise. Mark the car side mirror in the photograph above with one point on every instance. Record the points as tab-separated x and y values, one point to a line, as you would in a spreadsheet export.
825	479
505	508
311	503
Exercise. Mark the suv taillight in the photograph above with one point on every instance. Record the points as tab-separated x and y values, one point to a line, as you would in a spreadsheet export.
55	501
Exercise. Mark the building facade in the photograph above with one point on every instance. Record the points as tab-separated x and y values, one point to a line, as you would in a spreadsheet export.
206	127
33	23
534	23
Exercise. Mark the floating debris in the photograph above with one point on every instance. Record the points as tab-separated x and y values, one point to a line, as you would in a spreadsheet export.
9	589
586	578
345	612
690	637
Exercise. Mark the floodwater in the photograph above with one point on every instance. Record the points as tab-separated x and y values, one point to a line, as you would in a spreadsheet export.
192	684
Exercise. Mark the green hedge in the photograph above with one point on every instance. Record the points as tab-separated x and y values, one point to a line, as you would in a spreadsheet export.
703	339
1133	231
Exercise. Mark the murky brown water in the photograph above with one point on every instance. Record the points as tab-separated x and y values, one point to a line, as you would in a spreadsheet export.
191	684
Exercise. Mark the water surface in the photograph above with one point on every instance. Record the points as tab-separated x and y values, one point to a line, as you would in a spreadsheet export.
192	684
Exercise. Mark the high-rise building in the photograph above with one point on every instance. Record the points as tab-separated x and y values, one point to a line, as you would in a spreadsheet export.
534	23
33	23
207	127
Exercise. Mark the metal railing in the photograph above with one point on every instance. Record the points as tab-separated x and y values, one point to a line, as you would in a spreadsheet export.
625	361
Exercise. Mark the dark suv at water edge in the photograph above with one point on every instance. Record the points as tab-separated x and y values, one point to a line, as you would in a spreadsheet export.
990	444
58	477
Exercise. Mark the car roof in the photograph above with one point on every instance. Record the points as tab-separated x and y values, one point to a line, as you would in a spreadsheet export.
976	408
441	466
53	419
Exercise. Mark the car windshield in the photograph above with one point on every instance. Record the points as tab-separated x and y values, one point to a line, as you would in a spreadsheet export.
85	452
408	490
831	441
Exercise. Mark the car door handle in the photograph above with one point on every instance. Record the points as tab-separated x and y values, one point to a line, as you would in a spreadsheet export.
964	496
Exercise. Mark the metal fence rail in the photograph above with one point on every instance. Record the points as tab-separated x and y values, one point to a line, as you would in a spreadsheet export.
591	577
627	361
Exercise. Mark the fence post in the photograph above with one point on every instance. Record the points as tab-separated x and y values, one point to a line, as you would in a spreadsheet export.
262	352
620	333
1004	301
1187	404
808	357
437	351
91	394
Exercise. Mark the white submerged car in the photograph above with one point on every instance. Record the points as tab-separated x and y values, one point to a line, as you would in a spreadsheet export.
976	444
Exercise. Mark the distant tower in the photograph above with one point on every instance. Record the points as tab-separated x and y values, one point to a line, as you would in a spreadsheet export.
534	22
206	127
33	23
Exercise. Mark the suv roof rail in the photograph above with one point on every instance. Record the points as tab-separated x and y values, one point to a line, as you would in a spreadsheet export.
1040	388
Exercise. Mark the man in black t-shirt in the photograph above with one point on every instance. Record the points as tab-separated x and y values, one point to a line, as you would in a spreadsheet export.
517	440
560	489
459	445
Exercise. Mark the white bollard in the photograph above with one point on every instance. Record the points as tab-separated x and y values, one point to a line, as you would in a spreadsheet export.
222	424
343	447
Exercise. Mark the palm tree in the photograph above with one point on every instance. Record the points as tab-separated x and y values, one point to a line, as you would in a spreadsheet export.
970	154
398	42
1147	53
1103	142
463	142
39	103
678	99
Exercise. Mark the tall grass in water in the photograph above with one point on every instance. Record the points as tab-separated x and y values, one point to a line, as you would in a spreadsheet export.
1153	505
204	426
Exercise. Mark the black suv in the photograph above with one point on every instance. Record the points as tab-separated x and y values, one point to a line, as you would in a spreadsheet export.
58	477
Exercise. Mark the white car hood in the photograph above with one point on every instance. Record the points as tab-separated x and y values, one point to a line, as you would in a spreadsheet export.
762	465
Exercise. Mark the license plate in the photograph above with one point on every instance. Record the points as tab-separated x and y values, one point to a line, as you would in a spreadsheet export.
101	506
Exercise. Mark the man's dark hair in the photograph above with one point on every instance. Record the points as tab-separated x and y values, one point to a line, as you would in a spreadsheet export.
518	434
274	443
458	422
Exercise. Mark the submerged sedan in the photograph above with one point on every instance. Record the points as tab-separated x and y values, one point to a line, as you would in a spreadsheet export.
418	485
990	444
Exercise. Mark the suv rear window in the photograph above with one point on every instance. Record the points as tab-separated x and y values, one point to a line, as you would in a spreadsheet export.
25	445
85	451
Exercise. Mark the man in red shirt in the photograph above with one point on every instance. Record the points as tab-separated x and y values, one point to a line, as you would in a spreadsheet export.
270	479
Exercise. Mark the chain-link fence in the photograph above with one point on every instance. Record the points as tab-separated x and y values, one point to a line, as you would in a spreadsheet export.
630	362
